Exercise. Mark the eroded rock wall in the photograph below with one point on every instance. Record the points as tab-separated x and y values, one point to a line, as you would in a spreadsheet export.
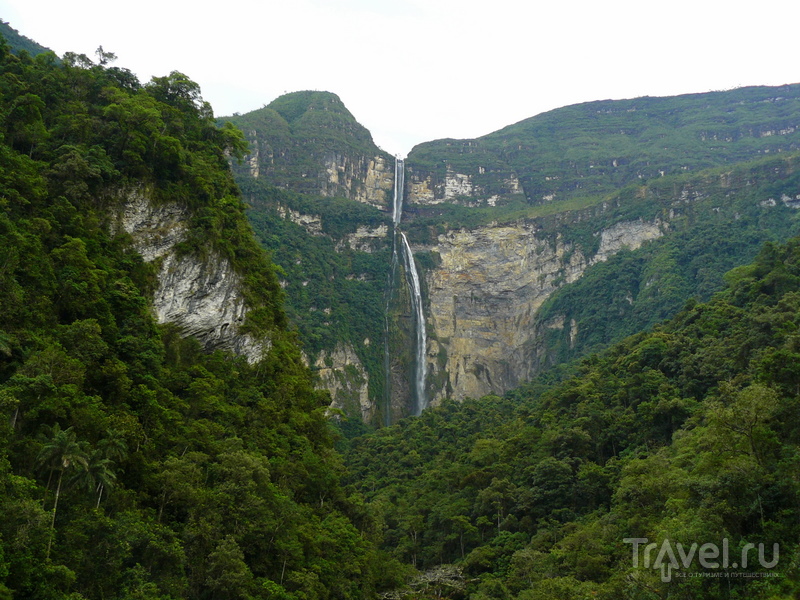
343	375
484	296
202	296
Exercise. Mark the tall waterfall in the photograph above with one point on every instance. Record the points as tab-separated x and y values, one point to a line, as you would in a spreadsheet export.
419	324
412	277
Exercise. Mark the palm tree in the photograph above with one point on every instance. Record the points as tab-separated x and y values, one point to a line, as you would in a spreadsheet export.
96	475
62	452
113	445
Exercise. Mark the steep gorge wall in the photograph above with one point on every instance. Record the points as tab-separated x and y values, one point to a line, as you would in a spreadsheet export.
484	295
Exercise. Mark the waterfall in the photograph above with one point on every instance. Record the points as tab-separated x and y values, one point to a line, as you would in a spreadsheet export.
419	321
399	186
412	277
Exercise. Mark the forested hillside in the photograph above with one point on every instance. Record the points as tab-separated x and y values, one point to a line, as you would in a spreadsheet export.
17	42
687	433
718	219
132	463
591	149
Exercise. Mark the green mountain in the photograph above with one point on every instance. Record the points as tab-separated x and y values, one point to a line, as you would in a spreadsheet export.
17	42
160	435
595	148
308	142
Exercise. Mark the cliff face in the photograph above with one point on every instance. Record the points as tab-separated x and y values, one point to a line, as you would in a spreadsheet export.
367	179
364	178
484	297
483	188
342	373
203	297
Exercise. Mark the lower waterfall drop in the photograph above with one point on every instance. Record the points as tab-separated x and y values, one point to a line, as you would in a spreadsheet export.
421	335
412	277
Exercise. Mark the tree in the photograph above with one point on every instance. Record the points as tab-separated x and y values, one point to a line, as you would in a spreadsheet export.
5	344
229	577
62	452
746	419
96	475
103	57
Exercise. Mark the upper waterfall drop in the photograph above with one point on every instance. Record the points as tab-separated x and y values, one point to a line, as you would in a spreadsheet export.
399	187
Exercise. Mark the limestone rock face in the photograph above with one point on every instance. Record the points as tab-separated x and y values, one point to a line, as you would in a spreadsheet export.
378	183
365	179
365	238
481	188
311	223
343	375
155	228
202	297
629	234
484	296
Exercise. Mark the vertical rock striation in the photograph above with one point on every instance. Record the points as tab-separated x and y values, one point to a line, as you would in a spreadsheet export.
485	294
203	297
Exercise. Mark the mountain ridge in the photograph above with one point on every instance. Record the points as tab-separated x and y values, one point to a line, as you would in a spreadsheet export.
479	203
604	145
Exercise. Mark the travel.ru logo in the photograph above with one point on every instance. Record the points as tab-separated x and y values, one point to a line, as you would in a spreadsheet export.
669	557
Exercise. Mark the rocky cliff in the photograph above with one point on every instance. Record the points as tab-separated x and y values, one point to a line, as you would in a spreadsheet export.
507	300
484	297
202	296
342	373
481	187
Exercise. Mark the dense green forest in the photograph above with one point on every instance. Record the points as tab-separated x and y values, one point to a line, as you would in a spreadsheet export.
687	433
136	465
133	464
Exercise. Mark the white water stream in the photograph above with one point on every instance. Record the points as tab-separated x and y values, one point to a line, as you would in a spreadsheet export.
412	277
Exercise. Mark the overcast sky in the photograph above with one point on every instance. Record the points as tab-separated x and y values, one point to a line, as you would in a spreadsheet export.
417	70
